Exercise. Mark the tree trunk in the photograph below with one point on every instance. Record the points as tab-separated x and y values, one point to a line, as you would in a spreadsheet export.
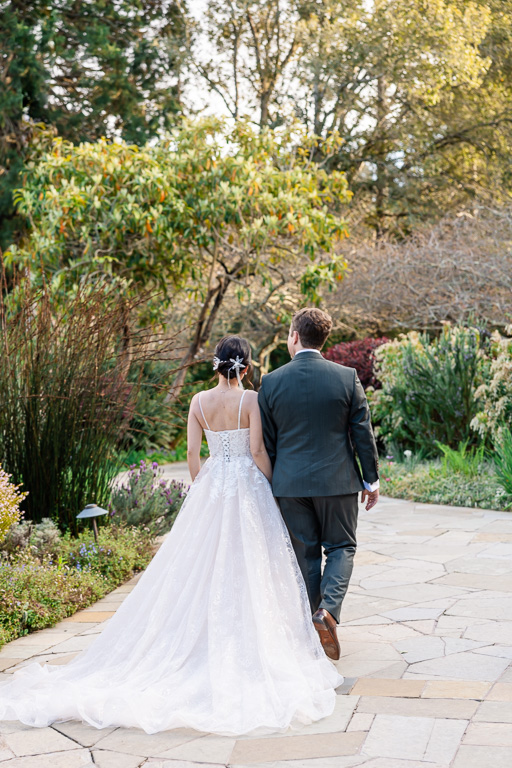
264	103
380	184
262	366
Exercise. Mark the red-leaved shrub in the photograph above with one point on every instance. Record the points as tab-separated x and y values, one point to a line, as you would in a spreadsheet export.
359	355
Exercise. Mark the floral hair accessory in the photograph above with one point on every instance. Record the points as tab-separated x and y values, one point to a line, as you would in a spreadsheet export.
238	364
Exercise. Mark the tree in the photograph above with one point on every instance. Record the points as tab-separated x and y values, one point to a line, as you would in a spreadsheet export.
207	212
419	93
402	83
90	69
253	42
453	270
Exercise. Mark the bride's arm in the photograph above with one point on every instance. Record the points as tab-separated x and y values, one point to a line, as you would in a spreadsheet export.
258	450
194	439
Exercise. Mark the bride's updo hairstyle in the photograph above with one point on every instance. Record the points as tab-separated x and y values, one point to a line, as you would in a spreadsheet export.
228	350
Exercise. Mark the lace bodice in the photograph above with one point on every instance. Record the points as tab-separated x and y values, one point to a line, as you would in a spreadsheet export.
229	444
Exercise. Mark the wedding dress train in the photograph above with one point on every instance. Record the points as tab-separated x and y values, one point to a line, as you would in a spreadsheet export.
216	635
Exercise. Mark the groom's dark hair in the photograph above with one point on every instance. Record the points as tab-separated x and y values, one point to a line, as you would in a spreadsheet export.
313	327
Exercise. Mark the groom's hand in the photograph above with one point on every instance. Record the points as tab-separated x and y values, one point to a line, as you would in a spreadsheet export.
372	496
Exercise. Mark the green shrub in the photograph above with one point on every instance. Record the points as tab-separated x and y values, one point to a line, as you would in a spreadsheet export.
119	551
42	538
153	425
428	389
389	366
503	461
464	460
36	591
495	394
34	595
45	537
405	456
157	428
146	499
427	483
178	453
17	537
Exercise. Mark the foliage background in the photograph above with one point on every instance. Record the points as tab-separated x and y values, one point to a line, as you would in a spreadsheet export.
231	162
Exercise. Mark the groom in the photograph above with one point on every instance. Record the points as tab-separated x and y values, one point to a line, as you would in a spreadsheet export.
314	414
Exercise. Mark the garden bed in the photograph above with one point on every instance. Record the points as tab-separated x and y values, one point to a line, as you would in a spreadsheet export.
430	483
38	591
46	576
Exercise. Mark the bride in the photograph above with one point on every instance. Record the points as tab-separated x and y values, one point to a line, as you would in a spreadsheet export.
217	634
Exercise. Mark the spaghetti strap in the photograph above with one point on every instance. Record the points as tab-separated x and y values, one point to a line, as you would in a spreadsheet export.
202	413
240	407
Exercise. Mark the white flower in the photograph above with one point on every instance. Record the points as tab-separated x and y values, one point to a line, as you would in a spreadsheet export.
407	454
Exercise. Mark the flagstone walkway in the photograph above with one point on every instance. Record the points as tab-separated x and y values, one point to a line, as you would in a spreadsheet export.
426	653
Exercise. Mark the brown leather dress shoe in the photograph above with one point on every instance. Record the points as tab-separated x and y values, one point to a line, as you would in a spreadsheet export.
325	625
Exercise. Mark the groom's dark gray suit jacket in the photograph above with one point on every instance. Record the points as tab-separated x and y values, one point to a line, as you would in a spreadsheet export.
314	414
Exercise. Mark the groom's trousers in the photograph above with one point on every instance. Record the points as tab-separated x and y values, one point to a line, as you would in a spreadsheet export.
325	523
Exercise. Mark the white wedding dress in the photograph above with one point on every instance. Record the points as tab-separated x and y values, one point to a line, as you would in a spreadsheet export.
216	635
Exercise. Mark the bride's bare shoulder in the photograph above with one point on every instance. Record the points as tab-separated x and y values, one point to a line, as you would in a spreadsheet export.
203	393
194	401
251	397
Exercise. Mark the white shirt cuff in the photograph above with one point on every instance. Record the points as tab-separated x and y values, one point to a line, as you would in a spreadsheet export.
371	486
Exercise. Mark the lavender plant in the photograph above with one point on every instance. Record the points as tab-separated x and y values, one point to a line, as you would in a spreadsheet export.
147	499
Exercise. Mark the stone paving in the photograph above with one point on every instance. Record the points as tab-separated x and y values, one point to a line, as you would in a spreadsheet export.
426	653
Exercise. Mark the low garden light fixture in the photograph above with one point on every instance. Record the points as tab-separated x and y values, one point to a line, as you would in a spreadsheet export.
92	510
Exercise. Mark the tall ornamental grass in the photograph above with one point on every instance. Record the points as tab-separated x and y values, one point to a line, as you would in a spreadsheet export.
65	398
